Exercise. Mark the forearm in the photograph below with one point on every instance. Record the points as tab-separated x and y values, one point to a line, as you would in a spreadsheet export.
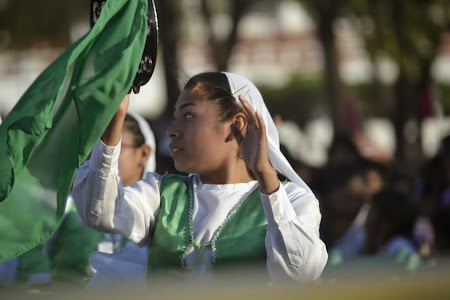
267	180
111	136
95	185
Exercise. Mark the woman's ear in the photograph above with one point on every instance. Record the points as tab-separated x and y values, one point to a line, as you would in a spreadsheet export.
239	122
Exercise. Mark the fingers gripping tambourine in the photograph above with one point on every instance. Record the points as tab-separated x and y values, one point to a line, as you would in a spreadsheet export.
148	60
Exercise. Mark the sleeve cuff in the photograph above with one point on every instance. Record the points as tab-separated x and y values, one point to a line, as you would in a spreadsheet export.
105	159
277	207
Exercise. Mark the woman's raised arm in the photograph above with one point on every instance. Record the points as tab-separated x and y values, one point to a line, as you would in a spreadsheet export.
111	136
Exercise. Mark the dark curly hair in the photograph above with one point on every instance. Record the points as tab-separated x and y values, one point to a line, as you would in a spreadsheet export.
215	87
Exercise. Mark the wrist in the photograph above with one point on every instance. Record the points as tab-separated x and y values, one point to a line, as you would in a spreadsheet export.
268	181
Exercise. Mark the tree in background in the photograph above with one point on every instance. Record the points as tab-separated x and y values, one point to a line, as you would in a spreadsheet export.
222	46
325	13
169	14
21	22
409	33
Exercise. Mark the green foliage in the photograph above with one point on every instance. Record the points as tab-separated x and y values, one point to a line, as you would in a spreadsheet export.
443	96
409	32
367	99
302	98
31	23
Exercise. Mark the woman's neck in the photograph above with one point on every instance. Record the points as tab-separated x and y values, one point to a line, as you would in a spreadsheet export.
236	173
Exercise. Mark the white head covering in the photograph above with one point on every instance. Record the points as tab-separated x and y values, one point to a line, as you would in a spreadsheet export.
149	138
240	85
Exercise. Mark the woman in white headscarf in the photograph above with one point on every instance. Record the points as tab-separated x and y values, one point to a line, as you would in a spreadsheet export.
231	208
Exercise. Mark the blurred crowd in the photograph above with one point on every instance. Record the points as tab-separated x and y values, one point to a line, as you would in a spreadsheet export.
376	214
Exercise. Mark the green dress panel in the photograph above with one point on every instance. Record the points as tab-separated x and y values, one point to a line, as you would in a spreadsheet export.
240	239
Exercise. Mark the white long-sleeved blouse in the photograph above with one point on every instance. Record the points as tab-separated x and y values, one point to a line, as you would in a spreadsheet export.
294	249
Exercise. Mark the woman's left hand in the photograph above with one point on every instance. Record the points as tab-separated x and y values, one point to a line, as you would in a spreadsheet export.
253	148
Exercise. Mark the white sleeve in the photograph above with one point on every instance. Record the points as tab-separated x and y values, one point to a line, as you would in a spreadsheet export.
105	205
294	248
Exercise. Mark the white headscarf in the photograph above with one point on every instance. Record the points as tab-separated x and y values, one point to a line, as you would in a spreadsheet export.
149	138
240	85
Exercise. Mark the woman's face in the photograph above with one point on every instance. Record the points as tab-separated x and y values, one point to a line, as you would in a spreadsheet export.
132	159
199	142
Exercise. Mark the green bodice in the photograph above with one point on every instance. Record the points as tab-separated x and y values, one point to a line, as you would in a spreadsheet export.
240	239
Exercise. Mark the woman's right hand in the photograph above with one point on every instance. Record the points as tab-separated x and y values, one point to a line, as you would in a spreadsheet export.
111	136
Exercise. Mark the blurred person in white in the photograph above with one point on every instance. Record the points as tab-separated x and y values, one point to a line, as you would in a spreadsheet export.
68	262
230	209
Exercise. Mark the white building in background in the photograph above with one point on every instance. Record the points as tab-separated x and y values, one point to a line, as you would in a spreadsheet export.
273	45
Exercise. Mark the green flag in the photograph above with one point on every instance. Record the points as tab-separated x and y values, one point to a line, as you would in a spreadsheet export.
58	120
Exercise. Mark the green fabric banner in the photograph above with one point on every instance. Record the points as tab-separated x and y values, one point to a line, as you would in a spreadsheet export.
58	120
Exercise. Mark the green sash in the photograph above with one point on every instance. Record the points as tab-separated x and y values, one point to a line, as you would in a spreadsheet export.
240	239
